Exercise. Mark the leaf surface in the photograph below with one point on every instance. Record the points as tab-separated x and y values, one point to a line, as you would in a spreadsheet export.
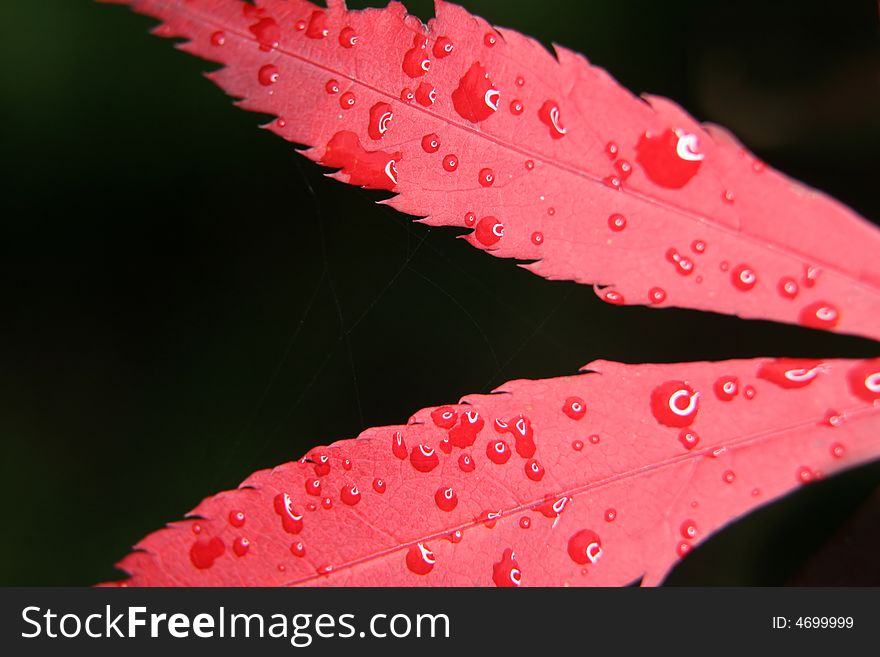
600	478
546	158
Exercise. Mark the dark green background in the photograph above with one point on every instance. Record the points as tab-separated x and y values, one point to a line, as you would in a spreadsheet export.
186	300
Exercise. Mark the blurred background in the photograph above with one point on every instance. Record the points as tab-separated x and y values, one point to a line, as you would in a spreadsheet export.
186	300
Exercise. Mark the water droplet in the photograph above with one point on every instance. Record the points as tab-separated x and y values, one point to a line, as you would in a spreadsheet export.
506	573
486	177
520	81
726	388
516	107
332	87
790	372
820	315
346	464
804	475
656	295
728	196
240	546
577	445
470	219
443	47
617	222
525	522
489	230
728	477
688	529
407	95
698	246
347	100
322	464
594	439
534	470
683	548
787	287
450	162
756	492
670	159
549	114
683	264
268	75
298	549
426	94
446	499
350	495
624	169
348	38
613	297
838	450
585	547
267	33
689	438
281	122
236	518
743	278
313	487
498	452
575	408
490	39
196	529
749	392
611	150
530	164
291	520
327	503
488	518
398	446
204	552
864	380
380	120
415	61
300	25
431	143
610	515
675	404
537	238
419	559
218	38
424	458
475	98
466	463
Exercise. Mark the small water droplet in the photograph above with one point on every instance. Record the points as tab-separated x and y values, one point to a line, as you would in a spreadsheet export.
327	503
313	487
486	177
530	164
443	47
407	95
577	445
726	388
820	315
498	452
332	87
424	458
445	498
656	295
218	38
348	38
489	230
419	559
594	439
610	515
268	75
838	450
347	100
688	438
379	485
729	476
728	196
240	546
398	446
516	107
346	464
611	150
470	219
237	518
298	549
450	162
534	470
698	246
805	475
613	297
490	39
675	404
683	265
466	463
575	408
431	143
688	529
350	495
617	222
525	522
743	278
683	548
585	547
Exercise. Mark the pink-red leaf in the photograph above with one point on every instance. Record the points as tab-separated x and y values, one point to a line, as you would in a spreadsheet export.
596	479
546	158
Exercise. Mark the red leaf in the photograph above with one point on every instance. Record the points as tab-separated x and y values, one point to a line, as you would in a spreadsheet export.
547	159
612	492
